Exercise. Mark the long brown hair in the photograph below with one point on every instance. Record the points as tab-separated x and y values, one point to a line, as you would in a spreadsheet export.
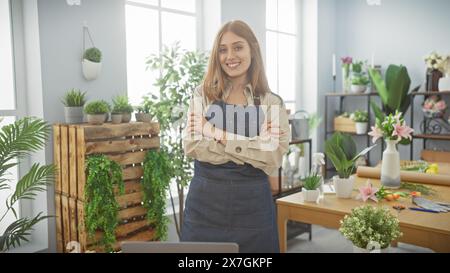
214	83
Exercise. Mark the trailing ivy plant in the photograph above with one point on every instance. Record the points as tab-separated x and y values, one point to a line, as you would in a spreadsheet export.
181	72
101	207
158	172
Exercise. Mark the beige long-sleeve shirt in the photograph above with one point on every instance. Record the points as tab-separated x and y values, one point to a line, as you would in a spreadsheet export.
264	152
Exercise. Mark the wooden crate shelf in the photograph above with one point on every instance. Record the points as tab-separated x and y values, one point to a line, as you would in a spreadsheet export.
127	144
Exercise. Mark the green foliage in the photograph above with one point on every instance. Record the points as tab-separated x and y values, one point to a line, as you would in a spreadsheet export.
393	92
341	150
18	140
312	182
147	105
418	187
122	105
74	98
357	67
181	72
93	54
101	207
158	171
360	80
370	224
360	116
97	107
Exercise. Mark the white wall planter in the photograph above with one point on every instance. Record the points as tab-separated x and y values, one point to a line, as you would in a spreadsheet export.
343	186
310	196
91	70
361	127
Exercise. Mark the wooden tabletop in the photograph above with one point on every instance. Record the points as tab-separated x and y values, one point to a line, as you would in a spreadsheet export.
438	222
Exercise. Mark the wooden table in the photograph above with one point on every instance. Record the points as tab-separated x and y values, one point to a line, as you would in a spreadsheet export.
419	228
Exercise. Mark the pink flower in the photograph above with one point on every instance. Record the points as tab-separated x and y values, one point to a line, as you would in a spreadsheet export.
376	133
427	106
402	131
347	60
368	192
441	105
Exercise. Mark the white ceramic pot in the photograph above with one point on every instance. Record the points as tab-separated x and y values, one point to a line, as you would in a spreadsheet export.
91	70
370	249
344	186
310	196
358	89
361	128
390	166
444	84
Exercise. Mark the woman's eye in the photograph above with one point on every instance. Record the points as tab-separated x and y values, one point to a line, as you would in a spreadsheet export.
238	48
222	50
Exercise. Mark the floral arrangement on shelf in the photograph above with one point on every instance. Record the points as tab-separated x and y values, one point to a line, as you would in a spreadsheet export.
367	224
360	116
439	62
392	128
434	107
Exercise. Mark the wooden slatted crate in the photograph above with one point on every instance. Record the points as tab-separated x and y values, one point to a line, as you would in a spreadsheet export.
126	144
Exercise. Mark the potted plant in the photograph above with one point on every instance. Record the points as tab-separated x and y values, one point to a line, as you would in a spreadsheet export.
311	186
359	84
121	105
341	150
434	107
17	141
143	110
370	228
361	119
116	117
74	101
96	112
91	63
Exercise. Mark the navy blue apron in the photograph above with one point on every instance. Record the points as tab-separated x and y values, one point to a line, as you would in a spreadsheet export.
231	203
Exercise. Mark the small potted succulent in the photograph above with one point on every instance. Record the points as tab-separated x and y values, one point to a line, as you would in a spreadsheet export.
96	112
361	119
91	63
74	101
311	186
143	111
370	229
122	106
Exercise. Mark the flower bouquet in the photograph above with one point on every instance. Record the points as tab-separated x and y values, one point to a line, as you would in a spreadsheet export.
434	107
392	128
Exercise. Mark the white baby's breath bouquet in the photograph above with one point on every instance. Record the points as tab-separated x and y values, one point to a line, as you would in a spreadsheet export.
368	224
438	62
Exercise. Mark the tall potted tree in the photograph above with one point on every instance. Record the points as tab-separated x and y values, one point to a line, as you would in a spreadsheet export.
181	72
17	141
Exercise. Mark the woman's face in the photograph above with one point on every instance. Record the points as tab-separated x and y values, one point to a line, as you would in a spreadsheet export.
234	54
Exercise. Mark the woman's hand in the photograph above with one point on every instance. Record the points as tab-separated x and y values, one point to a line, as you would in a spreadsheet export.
199	125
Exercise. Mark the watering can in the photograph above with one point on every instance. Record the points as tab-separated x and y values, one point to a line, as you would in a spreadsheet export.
300	125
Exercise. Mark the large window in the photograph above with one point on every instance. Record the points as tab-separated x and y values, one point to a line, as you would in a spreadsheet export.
8	105
151	24
281	39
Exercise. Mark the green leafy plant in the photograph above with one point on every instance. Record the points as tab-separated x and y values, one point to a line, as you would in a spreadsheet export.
74	98
181	72
370	224
97	108
360	80
101	207
17	141
418	188
393	92
147	104
158	171
357	66
93	54
122	105
312	182
341	150
360	116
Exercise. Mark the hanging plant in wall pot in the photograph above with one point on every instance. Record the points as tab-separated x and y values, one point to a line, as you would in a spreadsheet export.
91	63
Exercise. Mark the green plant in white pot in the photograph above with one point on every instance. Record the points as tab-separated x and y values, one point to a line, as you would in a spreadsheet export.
341	150
74	101
359	84
121	105
91	63
370	229
361	119
311	186
96	112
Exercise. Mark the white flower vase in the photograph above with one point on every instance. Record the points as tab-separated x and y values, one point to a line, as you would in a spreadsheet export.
346	80
444	83
91	70
390	167
361	127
